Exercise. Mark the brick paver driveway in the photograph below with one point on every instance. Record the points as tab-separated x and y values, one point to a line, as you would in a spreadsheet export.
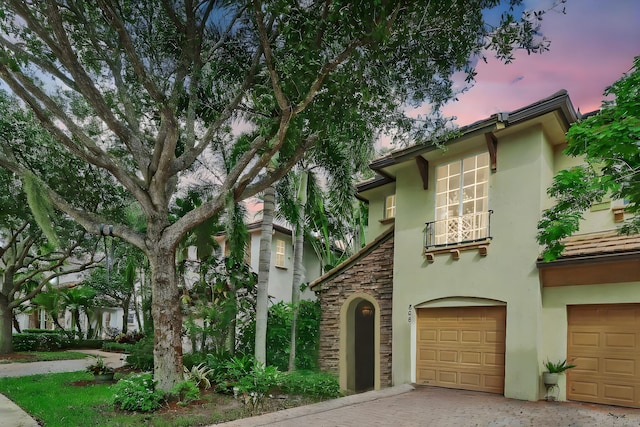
436	407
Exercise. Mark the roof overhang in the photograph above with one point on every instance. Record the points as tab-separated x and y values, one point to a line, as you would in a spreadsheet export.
591	270
557	105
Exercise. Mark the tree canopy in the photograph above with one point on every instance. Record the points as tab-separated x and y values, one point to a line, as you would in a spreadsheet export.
609	142
38	245
154	91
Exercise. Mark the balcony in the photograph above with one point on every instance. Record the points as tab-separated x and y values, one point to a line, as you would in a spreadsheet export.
458	231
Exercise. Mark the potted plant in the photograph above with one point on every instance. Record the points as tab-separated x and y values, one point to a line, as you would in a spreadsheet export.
101	372
550	377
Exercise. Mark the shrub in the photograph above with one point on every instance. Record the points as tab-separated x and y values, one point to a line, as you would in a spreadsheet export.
316	384
137	393
131	337
190	360
41	341
231	371
260	379
117	347
256	384
85	344
185	392
141	356
42	331
279	335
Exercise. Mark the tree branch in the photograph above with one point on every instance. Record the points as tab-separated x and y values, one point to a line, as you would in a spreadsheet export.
188	157
82	79
282	100
278	172
87	149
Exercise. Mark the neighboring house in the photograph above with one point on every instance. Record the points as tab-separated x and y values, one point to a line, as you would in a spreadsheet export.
110	318
281	271
451	291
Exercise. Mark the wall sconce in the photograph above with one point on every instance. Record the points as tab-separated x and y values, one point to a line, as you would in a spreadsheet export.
366	310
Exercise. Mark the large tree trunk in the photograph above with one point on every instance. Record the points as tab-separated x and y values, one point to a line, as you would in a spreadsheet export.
16	324
6	334
264	265
76	319
298	268
167	318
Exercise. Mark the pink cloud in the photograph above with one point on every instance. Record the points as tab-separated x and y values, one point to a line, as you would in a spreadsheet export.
591	47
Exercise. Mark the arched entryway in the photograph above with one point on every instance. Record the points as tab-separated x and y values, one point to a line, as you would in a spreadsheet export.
364	351
360	344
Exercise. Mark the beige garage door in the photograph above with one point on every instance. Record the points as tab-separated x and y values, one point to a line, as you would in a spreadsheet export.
461	347
604	344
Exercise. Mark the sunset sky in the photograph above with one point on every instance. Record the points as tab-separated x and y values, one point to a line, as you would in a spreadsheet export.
592	45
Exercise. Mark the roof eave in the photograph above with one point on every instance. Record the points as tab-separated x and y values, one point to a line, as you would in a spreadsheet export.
588	259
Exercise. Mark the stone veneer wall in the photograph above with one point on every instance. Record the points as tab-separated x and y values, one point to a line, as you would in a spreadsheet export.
371	274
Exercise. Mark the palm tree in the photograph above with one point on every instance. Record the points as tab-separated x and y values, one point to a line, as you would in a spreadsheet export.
79	299
264	264
50	302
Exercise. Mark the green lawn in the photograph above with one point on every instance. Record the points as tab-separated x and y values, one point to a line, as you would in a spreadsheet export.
53	399
72	399
41	356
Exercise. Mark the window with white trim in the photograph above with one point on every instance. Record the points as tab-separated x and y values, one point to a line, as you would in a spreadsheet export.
462	200
280	253
390	207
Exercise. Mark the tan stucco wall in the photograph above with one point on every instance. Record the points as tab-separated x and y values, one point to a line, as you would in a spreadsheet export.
376	198
527	160
507	274
594	220
554	314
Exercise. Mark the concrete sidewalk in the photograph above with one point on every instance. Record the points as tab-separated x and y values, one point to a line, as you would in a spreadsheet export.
11	415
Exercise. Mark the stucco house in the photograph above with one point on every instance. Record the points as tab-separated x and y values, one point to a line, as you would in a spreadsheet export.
281	265
451	290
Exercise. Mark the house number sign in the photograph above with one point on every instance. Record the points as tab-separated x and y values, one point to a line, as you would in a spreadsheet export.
409	313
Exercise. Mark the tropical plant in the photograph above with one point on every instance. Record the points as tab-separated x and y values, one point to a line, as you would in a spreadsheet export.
254	386
608	143
557	367
231	371
79	299
199	375
141	356
99	367
279	335
138	393
186	392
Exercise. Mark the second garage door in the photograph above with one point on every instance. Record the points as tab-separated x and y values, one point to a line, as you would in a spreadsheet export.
604	344
461	347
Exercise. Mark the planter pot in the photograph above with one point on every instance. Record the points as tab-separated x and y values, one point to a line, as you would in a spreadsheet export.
550	379
103	378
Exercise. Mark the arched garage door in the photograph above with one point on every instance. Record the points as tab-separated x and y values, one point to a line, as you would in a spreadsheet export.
604	344
461	347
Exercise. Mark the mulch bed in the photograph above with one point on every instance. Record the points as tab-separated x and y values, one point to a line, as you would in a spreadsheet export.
16	357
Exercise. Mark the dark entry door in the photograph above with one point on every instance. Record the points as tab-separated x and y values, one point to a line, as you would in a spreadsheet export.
364	343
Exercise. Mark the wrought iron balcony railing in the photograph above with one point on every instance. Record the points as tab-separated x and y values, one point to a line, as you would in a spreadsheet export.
461	229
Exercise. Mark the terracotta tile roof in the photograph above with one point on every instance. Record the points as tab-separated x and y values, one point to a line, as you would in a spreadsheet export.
609	242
